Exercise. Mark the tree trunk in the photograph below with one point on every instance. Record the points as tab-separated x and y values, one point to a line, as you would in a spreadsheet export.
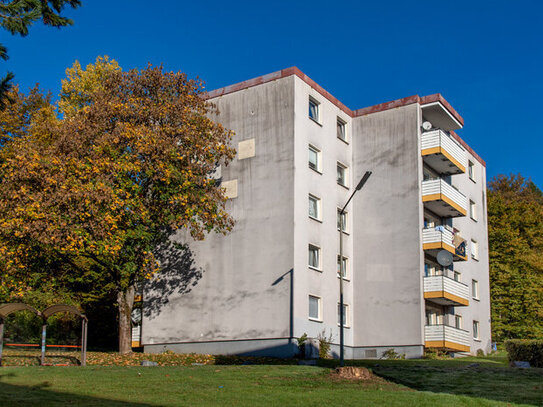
125	302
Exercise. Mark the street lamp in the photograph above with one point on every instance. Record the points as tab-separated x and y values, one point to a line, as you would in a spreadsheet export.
341	228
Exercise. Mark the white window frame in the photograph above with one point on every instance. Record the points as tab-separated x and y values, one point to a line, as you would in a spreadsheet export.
474	250
318	153
343	124
475	289
345	221
345	174
471	170
476	330
346	261
319	257
319	308
316	103
346	318
457	276
458	321
318	202
473	210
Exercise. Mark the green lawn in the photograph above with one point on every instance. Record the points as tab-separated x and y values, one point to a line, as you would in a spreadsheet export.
409	383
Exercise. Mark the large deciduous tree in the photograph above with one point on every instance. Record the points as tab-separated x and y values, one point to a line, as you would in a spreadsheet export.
515	234
131	162
16	16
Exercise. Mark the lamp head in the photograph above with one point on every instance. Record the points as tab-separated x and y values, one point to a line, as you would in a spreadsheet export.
363	180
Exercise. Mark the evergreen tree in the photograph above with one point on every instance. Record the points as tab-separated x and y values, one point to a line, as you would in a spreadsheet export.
515	234
16	16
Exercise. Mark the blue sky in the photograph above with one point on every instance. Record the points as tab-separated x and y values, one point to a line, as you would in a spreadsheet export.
485	57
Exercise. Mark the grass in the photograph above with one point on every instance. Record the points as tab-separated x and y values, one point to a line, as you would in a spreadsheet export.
408	383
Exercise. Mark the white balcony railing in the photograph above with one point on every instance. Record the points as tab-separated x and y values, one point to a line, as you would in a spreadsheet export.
440	237
438	189
446	334
447	285
437	141
438	234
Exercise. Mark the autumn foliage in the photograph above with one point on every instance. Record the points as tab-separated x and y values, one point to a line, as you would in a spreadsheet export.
130	162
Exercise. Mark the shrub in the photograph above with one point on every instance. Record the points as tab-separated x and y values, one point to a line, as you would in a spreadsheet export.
480	353
432	353
301	345
392	355
526	351
324	344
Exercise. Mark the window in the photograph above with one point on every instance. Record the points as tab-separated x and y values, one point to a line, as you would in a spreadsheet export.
458	321
341	220
475	289
345	314
314	207
313	109
314	257
343	267
314	308
474	250
341	174
434	317
341	130
471	171
314	159
472	210
475	329
457	276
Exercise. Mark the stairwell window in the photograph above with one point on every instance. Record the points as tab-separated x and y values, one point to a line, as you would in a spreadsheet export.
345	314
476	333
471	171
458	321
314	257
314	159
315	308
474	250
314	113
475	289
341	134
472	210
342	265
341	174
314	207
341	221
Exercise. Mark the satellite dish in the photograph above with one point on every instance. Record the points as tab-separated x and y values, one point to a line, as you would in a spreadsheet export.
444	258
427	126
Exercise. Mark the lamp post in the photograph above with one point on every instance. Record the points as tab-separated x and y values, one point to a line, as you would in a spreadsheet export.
341	228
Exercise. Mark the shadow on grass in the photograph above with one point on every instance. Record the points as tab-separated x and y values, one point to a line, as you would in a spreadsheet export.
493	383
26	359
41	395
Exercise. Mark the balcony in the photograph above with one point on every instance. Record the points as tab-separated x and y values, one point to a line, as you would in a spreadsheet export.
447	338
441	152
443	199
445	291
440	237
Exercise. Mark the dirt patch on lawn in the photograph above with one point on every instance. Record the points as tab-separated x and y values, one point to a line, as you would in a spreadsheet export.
354	373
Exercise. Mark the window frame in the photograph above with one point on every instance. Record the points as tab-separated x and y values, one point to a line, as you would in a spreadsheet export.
346	318
343	124
318	202
316	103
345	174
319	257
346	277
476	329
473	210
319	308
345	222
471	170
475	289
311	147
474	250
458	321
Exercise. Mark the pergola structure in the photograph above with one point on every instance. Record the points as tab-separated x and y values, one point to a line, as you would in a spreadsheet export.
7	309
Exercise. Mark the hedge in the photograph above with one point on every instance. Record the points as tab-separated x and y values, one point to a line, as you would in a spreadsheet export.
526	351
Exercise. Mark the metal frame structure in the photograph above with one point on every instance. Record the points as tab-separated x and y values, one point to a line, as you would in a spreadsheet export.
7	309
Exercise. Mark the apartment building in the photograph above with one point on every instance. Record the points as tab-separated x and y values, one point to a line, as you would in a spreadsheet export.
276	275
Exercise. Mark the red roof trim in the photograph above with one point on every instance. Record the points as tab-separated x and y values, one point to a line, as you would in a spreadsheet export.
360	112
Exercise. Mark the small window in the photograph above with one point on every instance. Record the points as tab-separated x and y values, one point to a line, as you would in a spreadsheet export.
472	210
314	308
314	260
342	267
475	289
314	207
458	321
341	130
474	250
457	276
476	332
434	317
345	314
341	220
314	109
471	171
314	159
341	174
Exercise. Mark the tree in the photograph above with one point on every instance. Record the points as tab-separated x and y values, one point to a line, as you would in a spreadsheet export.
16	16
515	233
131	163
